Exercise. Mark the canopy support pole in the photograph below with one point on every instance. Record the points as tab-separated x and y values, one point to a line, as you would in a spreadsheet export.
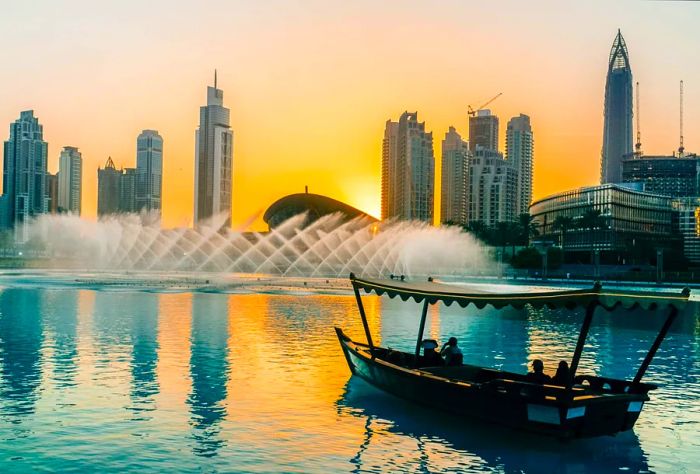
361	307
655	346
421	328
590	309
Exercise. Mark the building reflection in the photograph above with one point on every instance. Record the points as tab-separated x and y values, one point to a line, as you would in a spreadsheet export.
62	323
144	352
209	371
21	340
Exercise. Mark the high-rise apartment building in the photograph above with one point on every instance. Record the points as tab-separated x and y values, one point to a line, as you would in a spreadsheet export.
149	171
492	186
108	189
617	128
213	171
127	191
519	152
70	178
483	130
52	192
408	170
24	175
455	179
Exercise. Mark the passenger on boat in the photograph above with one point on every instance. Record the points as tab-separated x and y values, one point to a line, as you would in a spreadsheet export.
431	357
563	374
451	352
537	375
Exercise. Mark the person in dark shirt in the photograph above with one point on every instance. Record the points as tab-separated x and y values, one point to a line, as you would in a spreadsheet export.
563	375
537	375
451	352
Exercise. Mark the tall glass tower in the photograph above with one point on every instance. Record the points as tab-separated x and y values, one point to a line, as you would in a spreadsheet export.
70	178
617	130
24	175
213	170
149	171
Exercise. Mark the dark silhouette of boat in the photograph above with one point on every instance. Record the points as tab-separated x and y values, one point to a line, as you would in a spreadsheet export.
582	406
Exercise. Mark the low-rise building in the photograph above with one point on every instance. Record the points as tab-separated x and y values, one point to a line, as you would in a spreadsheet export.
624	224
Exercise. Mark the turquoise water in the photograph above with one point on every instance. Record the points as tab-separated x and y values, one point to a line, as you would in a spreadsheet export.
128	380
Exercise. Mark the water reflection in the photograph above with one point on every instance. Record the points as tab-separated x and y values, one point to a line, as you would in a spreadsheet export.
209	370
433	441
21	339
62	323
144	341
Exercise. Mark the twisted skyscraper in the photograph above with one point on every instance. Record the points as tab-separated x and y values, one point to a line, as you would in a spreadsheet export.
617	130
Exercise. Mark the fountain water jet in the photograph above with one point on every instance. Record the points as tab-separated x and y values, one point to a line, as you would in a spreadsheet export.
329	246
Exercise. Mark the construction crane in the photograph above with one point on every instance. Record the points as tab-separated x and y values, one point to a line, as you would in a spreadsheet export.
473	112
638	145
681	148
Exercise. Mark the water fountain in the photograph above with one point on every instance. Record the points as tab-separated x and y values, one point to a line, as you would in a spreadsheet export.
330	246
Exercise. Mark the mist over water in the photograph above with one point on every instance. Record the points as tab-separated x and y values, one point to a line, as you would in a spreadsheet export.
330	246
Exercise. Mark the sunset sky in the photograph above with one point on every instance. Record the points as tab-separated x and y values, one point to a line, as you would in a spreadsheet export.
310	84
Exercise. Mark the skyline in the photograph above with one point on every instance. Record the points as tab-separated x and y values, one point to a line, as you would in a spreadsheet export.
314	115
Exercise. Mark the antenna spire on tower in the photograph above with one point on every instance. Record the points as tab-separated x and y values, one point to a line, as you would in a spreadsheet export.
215	79
638	145
681	148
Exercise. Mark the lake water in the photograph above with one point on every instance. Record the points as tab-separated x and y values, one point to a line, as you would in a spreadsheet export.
117	379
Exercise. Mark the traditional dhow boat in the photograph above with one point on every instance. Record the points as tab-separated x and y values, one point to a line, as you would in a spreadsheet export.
583	406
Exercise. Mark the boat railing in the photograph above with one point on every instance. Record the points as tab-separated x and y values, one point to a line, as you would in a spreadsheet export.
608	385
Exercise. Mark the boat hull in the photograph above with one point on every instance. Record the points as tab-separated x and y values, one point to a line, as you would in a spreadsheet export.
513	405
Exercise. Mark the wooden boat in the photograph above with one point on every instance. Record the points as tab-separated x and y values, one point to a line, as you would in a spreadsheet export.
584	406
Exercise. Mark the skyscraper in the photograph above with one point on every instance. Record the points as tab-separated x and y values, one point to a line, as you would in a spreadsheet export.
455	179
70	175
108	189
149	171
213	171
519	152
127	191
483	130
24	175
617	129
52	192
492	185
408	170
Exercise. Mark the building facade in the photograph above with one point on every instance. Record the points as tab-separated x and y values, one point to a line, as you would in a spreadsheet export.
213	159
408	170
492	187
520	152
149	171
52	192
617	128
454	196
628	223
24	175
108	189
483	130
677	176
688	209
70	179
127	191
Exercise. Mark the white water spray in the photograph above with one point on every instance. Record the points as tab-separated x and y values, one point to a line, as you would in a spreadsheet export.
329	246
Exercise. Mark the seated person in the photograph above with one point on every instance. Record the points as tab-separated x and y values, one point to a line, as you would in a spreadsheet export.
431	357
451	353
537	375
563	375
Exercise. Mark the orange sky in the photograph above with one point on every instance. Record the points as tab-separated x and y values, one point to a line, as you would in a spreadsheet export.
310	84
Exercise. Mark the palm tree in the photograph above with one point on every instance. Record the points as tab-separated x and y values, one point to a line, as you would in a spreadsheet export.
503	235
563	224
478	229
592	220
526	228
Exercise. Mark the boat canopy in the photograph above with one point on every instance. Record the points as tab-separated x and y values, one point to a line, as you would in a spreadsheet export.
464	295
